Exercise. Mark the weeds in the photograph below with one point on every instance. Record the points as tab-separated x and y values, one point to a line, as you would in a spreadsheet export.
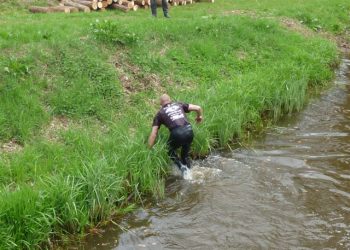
113	33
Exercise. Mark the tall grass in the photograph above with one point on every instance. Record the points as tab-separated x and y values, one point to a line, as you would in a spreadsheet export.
241	70
237	67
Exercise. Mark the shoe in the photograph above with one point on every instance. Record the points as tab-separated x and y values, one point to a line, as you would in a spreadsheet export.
155	16
166	16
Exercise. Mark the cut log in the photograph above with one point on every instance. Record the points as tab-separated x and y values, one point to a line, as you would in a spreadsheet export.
140	2
37	9
77	5
119	7
91	4
72	9
129	4
69	6
104	4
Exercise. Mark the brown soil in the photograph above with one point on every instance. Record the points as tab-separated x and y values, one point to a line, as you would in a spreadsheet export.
296	26
250	13
242	55
11	147
133	79
59	123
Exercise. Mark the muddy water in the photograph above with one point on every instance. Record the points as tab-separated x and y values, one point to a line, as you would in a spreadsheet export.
291	190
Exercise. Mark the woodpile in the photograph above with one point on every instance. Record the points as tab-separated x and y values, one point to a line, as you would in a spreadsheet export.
70	6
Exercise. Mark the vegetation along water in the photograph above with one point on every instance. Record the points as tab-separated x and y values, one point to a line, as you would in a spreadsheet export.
78	92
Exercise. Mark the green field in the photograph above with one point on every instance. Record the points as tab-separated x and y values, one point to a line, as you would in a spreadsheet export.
78	93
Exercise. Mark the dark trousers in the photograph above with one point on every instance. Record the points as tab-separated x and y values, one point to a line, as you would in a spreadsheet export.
154	7
181	137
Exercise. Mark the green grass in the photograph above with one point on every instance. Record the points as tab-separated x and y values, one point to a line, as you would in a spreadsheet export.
332	16
242	70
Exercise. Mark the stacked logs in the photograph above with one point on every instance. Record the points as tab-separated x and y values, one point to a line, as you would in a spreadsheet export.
70	6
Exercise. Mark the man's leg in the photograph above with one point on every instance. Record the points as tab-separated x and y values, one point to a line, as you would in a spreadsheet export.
185	155
173	156
165	7
186	146
173	145
154	7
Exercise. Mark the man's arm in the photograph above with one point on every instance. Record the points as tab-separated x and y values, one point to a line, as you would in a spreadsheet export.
153	136
198	110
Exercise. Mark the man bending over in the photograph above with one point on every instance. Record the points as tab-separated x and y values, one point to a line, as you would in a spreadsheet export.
172	115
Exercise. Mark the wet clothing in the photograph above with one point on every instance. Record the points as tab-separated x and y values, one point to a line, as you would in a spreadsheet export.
172	115
181	137
164	6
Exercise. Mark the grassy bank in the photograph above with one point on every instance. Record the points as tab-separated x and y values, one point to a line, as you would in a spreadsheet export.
79	91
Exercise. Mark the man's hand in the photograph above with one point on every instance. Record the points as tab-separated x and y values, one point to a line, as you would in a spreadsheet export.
152	137
199	119
198	110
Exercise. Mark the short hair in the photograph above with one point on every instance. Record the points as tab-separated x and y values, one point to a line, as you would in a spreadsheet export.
164	99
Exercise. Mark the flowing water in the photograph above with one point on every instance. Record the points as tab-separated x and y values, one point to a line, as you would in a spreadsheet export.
290	190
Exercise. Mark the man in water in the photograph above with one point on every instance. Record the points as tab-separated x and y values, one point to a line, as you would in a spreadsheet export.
172	115
164	6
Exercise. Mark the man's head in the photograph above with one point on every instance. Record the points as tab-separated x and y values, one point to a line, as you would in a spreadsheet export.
164	99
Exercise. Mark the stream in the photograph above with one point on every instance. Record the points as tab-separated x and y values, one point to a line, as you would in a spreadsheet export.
289	190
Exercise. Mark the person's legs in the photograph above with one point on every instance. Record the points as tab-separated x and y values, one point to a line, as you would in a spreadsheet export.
165	7
173	155
185	158
186	146
173	145
154	7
